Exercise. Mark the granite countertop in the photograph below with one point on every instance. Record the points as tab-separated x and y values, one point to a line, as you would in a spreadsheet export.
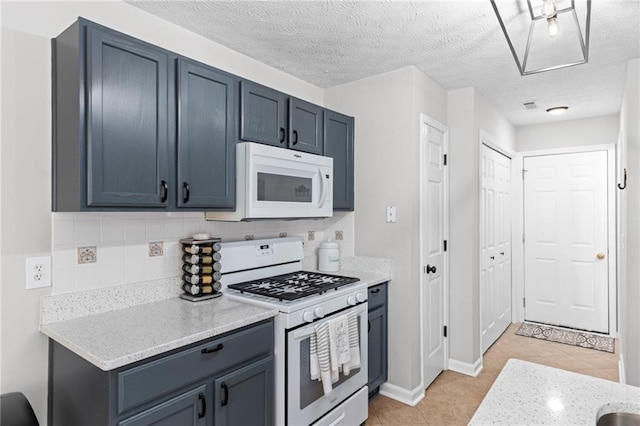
369	270
526	393
119	337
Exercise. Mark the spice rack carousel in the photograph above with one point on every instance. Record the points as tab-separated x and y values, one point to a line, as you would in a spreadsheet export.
201	269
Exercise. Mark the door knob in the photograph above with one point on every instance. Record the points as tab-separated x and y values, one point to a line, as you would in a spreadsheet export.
600	256
431	269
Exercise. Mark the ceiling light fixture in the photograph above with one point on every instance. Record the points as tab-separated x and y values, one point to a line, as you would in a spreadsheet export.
557	110
537	47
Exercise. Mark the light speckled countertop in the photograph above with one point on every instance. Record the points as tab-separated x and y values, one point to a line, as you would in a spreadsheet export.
531	394
119	337
369	270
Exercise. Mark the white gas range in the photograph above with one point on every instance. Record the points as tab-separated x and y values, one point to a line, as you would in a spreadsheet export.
269	273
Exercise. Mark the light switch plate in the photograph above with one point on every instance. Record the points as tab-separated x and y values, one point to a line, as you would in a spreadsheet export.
391	214
38	272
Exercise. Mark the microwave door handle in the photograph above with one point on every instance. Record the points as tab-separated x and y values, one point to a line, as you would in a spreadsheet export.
323	189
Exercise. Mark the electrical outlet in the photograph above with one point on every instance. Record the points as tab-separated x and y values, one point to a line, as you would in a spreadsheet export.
311	235
38	272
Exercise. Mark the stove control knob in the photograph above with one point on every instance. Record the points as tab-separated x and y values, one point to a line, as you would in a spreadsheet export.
360	297
318	312
351	300
307	316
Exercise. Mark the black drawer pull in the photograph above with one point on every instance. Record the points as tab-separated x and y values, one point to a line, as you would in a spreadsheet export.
203	406
225	400
212	350
369	327
377	290
165	191
281	134
295	137
186	192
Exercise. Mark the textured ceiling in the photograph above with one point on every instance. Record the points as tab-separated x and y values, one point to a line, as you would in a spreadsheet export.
456	43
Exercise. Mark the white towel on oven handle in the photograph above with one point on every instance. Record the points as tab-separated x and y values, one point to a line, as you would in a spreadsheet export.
354	344
322	357
339	350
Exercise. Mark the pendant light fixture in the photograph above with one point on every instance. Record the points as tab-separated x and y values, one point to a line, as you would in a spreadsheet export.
545	35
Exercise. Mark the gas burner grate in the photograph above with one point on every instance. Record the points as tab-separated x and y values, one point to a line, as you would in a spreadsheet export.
294	285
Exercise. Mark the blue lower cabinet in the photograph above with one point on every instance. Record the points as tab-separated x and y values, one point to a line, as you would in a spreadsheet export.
377	300
209	382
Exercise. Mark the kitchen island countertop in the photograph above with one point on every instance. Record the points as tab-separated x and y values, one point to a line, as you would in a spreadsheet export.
531	394
119	337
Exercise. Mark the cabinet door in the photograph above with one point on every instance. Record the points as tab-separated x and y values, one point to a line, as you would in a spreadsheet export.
189	408
127	139
206	138
263	114
305	126
338	144
245	396
377	348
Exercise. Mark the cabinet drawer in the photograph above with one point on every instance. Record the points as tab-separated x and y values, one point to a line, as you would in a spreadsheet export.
151	380
377	296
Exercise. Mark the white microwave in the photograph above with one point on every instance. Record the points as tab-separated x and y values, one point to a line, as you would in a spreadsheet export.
278	183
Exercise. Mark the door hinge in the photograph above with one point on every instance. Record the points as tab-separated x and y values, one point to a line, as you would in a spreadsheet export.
523	238
523	171
445	159
524	302
445	245
445	331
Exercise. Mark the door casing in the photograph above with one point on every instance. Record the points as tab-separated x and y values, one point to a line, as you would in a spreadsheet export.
518	228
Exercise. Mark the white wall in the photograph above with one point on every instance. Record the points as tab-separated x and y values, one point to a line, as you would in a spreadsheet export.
468	113
629	279
570	133
387	108
25	188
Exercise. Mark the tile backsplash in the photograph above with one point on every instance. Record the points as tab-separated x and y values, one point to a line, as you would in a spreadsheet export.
136	247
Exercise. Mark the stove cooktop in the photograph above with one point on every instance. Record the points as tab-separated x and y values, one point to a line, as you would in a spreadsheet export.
294	285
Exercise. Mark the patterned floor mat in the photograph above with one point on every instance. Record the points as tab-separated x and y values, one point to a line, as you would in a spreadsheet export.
568	337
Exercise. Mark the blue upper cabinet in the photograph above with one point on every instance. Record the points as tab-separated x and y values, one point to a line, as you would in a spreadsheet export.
338	144
263	114
127	136
137	127
206	140
305	126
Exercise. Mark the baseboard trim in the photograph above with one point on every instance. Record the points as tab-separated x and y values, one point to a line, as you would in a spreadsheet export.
466	368
622	378
409	397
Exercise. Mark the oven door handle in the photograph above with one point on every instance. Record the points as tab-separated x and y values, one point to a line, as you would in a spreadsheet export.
306	331
323	189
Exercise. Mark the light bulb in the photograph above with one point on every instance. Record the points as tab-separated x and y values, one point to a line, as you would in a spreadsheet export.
549	9
553	26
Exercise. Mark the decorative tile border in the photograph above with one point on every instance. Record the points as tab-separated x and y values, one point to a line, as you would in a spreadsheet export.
156	248
87	254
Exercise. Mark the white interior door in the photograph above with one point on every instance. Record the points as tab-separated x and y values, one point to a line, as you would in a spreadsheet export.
433	225
565	242
495	245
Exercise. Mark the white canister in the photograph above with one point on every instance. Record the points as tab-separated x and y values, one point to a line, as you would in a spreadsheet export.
329	256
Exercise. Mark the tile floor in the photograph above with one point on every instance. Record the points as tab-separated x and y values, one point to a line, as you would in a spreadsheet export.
453	397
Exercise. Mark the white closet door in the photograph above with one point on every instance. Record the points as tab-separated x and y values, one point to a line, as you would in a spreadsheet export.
566	247
495	245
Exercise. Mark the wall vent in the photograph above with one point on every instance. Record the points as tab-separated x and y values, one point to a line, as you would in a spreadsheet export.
529	105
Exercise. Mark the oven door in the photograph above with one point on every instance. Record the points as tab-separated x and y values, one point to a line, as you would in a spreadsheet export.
283	183
306	401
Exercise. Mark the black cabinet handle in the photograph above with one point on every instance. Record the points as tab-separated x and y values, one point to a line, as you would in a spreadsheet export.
377	290
185	192
281	134
431	269
295	137
203	405
225	400
369	327
502	253
212	350
165	191
492	257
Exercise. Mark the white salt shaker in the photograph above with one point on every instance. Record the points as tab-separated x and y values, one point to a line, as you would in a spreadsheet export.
329	256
